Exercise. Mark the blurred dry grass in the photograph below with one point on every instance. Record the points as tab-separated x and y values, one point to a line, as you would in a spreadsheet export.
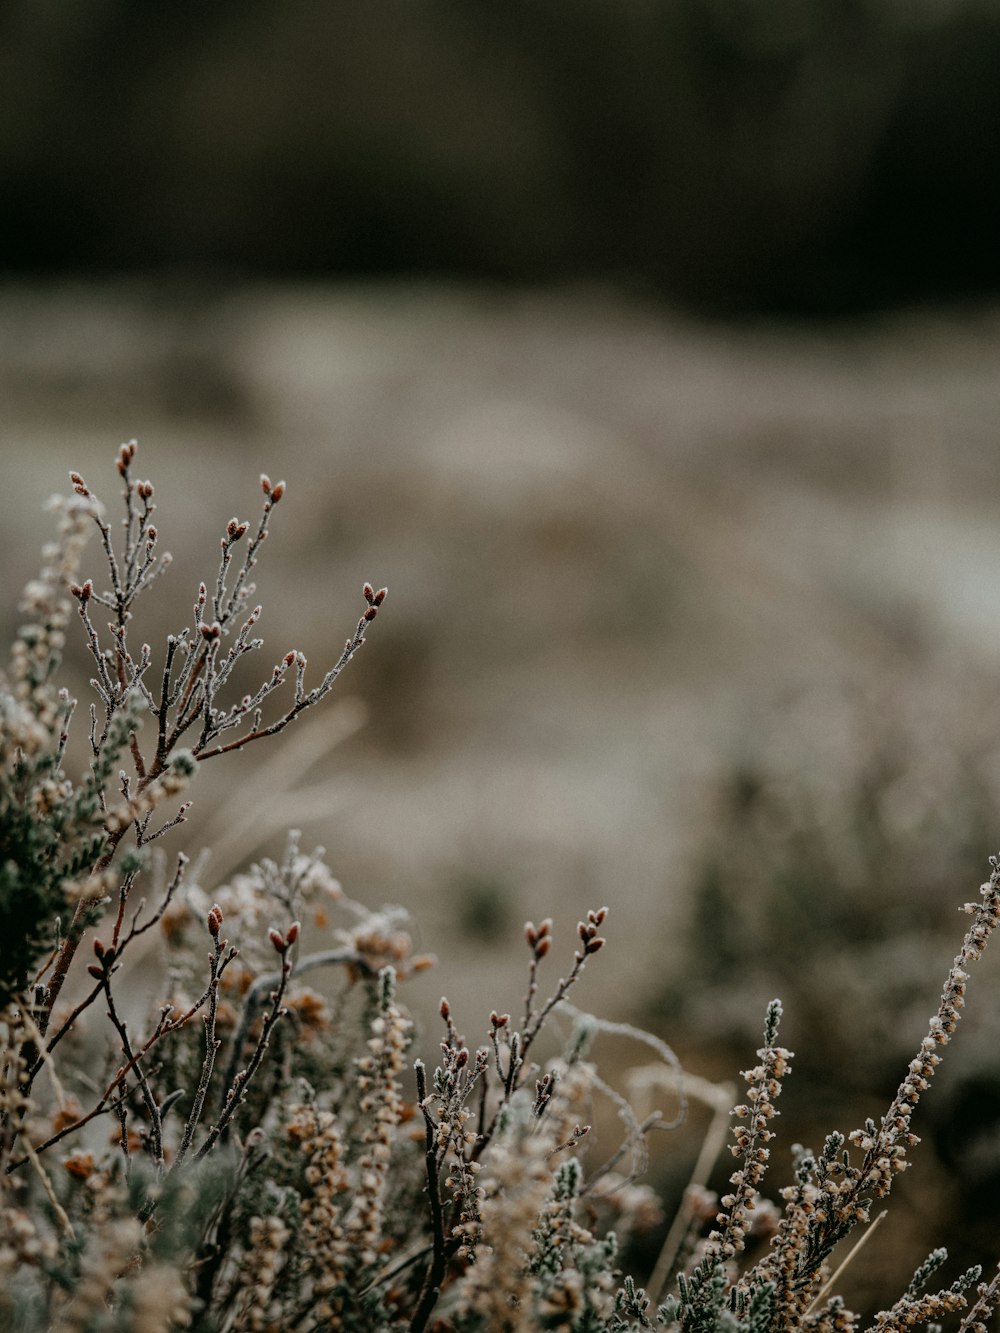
627	555
623	551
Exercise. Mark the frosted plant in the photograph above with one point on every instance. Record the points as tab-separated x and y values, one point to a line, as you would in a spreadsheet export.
257	1154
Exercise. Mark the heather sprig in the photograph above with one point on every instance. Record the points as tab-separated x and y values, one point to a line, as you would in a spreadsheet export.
831	1196
185	702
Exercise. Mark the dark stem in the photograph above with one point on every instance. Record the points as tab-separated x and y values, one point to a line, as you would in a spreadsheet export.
431	1289
238	1091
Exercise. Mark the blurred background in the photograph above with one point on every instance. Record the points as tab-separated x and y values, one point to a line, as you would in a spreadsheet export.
648	352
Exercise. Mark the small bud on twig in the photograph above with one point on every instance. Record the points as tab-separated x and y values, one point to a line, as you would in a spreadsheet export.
125	455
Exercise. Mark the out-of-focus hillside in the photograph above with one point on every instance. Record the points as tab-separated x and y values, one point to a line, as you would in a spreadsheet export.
663	597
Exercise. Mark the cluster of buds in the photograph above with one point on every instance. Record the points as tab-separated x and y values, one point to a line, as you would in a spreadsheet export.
280	943
235	529
913	1310
454	1137
587	930
105	961
382	1108
544	1088
987	914
125	455
751	1134
539	938
374	600
500	1028
272	492
317	1137
885	1149
577	1134
263	1261
214	922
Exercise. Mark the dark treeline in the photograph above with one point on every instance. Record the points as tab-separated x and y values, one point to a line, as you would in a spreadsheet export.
733	155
